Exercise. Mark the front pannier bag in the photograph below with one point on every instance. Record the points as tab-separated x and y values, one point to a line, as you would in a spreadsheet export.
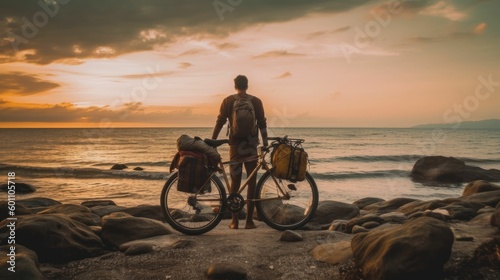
289	162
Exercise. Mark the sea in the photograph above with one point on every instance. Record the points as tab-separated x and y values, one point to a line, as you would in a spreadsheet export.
74	165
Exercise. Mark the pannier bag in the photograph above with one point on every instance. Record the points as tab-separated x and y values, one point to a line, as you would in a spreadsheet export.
195	160
289	162
193	172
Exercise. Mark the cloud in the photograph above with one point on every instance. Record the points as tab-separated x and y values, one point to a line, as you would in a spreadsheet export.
445	10
148	75
480	28
328	32
82	29
278	53
284	75
185	65
68	113
225	46
458	35
18	83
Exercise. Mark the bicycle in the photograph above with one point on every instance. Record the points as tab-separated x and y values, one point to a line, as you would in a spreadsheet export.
281	204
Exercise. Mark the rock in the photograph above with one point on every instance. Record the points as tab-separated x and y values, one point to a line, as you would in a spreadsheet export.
94	203
486	209
338	225
55	237
139	249
328	211
362	203
119	166
430	214
479	186
36	204
361	220
369	225
394	217
146	211
183	243
389	205
119	228
438	168
75	212
19	187
450	170
458	212
291	236
417	206
357	229
227	271
138	168
286	213
416	250
333	253
495	218
104	210
19	211
26	263
491	198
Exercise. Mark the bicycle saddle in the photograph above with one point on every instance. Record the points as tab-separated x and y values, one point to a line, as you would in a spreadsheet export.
215	143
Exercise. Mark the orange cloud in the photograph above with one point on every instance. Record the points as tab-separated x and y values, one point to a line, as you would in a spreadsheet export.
480	28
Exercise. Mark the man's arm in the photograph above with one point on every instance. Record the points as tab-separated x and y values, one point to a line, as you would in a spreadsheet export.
261	122
221	120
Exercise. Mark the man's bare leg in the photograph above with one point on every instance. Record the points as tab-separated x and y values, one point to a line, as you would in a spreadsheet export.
234	221
249	221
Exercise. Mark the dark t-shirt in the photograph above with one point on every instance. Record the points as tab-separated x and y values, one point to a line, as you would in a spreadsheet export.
225	113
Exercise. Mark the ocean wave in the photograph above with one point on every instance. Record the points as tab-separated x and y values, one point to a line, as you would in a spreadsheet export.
68	172
391	158
144	163
401	158
361	175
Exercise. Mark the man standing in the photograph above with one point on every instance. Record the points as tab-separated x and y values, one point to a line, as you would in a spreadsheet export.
246	117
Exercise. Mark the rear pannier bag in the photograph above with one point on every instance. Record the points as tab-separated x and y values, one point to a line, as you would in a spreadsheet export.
194	173
290	163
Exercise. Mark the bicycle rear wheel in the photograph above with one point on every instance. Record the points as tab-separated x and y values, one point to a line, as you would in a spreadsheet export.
280	212
193	214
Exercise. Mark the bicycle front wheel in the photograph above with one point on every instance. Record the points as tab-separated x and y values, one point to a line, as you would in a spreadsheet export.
289	211
190	213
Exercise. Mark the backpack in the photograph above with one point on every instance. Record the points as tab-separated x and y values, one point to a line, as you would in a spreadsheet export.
289	162
243	122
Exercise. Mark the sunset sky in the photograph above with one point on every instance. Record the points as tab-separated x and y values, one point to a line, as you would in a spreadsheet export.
337	63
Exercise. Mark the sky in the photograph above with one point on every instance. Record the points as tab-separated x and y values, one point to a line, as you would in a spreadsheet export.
313	63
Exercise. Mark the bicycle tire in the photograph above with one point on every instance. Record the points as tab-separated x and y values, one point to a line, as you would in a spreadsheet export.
286	214
189	219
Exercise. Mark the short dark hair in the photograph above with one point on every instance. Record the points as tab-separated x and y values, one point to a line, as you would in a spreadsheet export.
241	82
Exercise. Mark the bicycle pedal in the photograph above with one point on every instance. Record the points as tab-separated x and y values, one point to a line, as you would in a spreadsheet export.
292	187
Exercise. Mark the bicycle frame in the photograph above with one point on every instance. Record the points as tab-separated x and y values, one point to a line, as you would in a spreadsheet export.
262	163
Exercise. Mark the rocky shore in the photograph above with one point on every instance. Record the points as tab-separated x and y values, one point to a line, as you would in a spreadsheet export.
371	238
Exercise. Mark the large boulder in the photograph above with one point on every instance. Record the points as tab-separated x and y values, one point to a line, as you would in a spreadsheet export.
416	250
19	210
54	237
333	253
23	265
329	211
438	168
450	170
119	228
363	202
491	198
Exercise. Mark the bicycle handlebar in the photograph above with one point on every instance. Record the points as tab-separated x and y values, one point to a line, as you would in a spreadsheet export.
285	139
